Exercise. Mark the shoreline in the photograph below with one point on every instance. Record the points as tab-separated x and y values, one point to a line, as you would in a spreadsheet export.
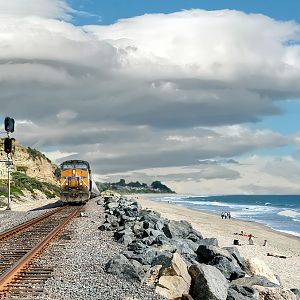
150	197
211	225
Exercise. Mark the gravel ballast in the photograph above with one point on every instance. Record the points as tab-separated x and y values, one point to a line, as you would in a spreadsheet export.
78	257
8	219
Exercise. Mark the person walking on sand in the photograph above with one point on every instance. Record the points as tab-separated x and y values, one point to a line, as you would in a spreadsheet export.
265	243
222	215
229	215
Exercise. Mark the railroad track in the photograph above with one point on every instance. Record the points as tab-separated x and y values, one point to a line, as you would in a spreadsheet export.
21	277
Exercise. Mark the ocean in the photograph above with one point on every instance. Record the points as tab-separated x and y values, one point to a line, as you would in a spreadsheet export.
279	212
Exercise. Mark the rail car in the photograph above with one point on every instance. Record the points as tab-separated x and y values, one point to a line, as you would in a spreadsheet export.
76	182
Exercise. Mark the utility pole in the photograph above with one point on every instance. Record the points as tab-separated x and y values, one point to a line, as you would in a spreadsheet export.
8	164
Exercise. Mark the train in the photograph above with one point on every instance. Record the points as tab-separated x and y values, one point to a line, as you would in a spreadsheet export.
76	183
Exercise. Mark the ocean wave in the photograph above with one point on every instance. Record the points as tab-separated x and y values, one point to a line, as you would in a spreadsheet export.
173	199
242	207
289	213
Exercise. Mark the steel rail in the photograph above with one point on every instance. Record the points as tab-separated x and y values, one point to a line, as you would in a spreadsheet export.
12	231
10	276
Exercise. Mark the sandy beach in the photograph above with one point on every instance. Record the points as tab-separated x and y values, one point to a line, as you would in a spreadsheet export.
211	225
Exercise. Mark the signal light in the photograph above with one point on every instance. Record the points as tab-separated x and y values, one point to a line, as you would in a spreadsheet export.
8	145
9	124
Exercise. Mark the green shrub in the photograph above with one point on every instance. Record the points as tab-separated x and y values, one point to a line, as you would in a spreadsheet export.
22	181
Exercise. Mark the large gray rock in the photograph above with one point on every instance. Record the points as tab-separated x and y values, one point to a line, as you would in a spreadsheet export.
206	253
230	269
236	292
254	280
113	220
151	232
126	239
177	229
208	283
150	240
195	236
236	255
162	240
138	268
164	259
209	242
150	218
146	256
121	266
119	234
296	292
105	227
137	246
184	246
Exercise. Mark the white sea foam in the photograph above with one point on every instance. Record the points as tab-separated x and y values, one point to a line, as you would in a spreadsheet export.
242	207
289	213
289	232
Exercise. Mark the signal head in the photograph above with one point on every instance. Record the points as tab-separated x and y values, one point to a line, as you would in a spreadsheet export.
8	145
9	124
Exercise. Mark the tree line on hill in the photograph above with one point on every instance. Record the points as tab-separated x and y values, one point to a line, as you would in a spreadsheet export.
134	187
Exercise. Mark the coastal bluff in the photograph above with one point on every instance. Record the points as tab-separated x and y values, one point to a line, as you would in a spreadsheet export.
179	263
30	162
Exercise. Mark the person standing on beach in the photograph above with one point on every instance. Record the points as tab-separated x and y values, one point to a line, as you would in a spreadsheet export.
222	215
229	215
251	242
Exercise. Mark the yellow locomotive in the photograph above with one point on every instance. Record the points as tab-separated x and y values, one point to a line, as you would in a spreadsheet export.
76	182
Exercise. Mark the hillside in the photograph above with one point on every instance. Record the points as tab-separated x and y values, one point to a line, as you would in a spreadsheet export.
30	162
32	175
135	187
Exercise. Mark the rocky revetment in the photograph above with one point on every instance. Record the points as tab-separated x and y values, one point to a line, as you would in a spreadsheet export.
175	260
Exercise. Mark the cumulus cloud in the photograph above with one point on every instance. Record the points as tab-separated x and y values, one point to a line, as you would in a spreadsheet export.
117	148
203	69
43	8
127	98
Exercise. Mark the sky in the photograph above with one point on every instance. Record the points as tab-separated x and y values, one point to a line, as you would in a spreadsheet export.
202	95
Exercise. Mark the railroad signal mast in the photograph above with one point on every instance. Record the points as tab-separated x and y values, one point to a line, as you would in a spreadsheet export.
9	126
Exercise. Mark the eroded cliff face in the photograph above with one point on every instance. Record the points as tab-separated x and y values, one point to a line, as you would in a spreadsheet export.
30	162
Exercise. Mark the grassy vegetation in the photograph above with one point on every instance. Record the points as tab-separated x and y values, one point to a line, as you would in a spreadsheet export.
37	154
20	182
